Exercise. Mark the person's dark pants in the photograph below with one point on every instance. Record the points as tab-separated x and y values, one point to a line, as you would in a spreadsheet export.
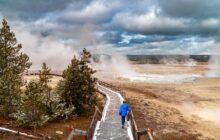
123	120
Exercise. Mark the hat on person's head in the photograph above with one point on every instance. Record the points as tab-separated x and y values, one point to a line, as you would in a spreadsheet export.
124	101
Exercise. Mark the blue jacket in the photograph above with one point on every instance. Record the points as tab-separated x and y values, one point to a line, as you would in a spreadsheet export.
124	109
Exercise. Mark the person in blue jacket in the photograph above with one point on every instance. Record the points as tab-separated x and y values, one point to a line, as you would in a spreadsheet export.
123	112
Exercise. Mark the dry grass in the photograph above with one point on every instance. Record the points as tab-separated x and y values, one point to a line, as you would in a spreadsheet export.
177	136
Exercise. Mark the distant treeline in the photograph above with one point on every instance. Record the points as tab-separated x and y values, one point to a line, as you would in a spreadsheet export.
155	59
158	59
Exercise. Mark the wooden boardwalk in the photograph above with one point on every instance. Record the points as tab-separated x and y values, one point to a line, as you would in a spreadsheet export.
109	128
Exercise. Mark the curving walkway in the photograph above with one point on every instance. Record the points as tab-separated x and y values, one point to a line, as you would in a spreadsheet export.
109	128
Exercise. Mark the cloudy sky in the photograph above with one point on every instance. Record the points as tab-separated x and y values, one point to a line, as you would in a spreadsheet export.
127	26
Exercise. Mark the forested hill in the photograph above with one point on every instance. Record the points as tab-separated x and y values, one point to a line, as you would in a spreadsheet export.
162	58
157	59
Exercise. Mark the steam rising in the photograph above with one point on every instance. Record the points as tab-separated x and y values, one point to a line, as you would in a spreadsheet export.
112	64
205	112
214	66
57	52
45	49
178	60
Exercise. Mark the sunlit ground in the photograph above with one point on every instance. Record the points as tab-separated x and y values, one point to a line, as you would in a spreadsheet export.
172	88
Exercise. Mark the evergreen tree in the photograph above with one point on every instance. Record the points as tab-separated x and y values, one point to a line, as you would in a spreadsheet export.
78	86
32	110
44	75
12	65
44	79
38	105
87	81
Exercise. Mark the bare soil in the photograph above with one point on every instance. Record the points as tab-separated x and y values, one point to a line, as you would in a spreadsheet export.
65	126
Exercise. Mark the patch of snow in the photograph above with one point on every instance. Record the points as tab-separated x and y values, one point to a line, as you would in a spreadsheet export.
130	131
106	105
16	132
96	130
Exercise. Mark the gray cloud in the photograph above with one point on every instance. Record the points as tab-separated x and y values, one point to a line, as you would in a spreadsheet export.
26	9
198	9
95	12
149	23
129	26
153	23
188	45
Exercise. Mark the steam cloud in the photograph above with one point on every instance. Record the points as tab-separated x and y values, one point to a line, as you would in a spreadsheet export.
181	60
48	49
214	66
57	53
112	64
205	112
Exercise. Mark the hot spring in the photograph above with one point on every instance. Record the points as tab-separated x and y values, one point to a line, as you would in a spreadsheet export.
160	78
